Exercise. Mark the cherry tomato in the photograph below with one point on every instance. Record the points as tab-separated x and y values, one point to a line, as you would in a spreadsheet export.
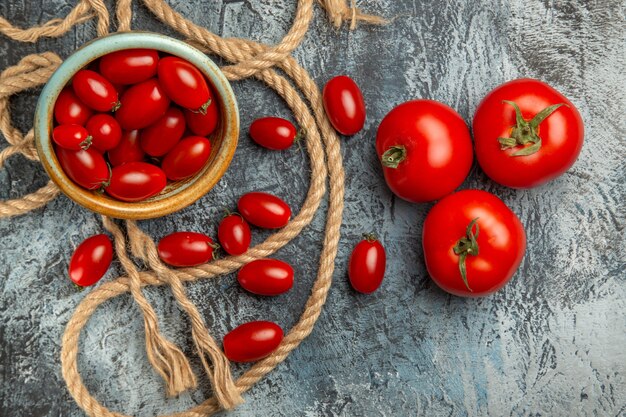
68	109
86	168
425	149
136	181
252	341
234	234
203	124
367	265
128	150
90	260
160	137
184	84
186	249
186	158
344	105
273	133
264	210
95	91
129	66
526	133
105	132
473	243
142	105
266	277
72	137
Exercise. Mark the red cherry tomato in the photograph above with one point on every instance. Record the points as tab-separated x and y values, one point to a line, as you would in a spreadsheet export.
273	133
186	158
186	249
72	137
90	260
86	168
234	234
160	137
473	243
203	124
367	265
129	66
425	149
344	105
266	277
252	341
68	109
526	133
128	150
95	91
264	210
184	84
136	181
142	105
105	132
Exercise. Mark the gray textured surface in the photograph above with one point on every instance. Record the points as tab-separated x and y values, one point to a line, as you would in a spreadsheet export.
551	343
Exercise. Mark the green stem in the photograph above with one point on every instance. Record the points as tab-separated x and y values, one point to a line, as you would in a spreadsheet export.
393	156
467	245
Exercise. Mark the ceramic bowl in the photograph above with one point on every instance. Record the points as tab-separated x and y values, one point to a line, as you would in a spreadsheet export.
176	195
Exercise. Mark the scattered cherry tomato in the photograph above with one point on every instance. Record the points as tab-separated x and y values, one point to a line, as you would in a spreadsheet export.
72	137
186	158
142	105
344	105
367	265
160	137
273	133
95	91
105	132
136	181
186	249
473	243
90	260
86	168
264	210
203	124
184	84
234	234
129	66
252	341
128	150
68	109
526	133
266	277
425	149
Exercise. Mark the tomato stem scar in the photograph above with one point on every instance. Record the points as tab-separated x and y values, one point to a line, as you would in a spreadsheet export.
393	156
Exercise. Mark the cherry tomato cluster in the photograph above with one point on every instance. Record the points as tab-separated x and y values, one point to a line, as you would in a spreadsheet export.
133	120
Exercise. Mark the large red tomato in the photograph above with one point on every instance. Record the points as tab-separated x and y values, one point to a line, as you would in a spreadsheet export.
425	149
526	133
473	243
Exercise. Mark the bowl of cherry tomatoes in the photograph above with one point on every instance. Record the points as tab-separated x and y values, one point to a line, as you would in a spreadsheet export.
136	125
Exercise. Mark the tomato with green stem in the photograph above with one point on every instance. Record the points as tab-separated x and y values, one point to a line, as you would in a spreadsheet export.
85	167
184	84
105	132
95	91
72	137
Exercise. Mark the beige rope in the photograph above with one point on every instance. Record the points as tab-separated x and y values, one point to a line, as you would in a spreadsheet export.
338	11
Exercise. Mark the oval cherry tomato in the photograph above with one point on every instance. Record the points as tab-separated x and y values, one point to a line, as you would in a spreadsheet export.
425	149
367	265
136	181
90	260
142	105
273	133
86	168
186	249
105	132
252	341
234	234
526	133
184	84
68	109
264	210
266	277
128	150
186	158
203	124
473	243
72	137
95	91
129	66
160	137
344	105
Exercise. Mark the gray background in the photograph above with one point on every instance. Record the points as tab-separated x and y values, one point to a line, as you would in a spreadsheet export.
551	343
